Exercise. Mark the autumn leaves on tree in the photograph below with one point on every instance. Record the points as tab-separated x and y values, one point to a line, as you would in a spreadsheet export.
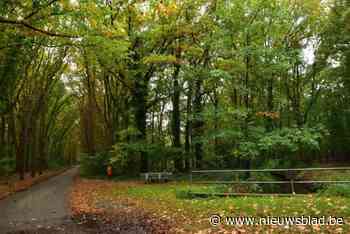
163	85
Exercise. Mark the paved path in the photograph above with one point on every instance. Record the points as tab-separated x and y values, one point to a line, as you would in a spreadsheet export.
43	204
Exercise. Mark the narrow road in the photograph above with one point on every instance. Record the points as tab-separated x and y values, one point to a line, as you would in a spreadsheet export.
43	205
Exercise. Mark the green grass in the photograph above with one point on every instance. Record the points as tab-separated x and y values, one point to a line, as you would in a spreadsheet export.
171	199
268	205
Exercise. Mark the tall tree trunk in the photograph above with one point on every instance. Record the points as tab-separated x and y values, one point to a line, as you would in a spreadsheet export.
198	123
140	99
34	147
90	108
3	144
164	161
269	126
188	129
12	134
246	99
216	127
42	143
176	117
22	147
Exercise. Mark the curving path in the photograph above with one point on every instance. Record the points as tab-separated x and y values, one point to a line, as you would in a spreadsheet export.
41	206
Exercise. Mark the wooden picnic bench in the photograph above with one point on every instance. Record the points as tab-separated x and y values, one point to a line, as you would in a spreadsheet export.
150	177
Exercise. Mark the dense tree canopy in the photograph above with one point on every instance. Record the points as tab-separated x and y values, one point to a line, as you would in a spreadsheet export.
173	85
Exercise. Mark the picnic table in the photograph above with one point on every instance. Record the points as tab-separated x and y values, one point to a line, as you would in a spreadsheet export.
149	177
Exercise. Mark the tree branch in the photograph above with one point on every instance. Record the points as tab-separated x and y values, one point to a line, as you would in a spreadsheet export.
22	23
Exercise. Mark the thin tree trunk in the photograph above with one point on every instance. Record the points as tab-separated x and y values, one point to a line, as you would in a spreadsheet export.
176	117
246	99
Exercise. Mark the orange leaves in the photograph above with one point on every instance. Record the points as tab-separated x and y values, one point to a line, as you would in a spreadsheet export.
82	198
266	114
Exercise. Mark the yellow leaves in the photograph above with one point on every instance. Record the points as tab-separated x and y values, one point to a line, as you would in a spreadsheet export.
171	9
229	65
167	10
93	23
92	8
110	33
159	59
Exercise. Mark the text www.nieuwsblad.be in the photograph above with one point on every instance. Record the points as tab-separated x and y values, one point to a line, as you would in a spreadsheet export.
216	220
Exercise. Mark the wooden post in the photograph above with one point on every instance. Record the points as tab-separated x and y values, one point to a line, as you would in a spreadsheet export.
292	186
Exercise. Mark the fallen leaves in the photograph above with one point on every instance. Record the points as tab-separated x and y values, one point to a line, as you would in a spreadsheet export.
117	206
91	206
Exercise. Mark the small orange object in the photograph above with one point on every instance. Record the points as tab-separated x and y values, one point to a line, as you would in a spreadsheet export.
109	171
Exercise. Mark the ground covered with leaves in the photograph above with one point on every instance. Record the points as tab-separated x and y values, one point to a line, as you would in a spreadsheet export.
94	207
134	207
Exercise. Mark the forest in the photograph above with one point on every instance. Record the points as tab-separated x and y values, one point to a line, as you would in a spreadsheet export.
169	85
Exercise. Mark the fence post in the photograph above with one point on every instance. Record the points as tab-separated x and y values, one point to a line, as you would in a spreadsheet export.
292	186
190	182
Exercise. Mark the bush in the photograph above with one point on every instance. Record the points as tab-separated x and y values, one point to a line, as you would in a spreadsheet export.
266	188
94	165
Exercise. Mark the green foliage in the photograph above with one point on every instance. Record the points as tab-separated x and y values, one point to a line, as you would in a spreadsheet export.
245	88
95	165
7	166
183	193
119	154
291	140
123	154
336	190
286	141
